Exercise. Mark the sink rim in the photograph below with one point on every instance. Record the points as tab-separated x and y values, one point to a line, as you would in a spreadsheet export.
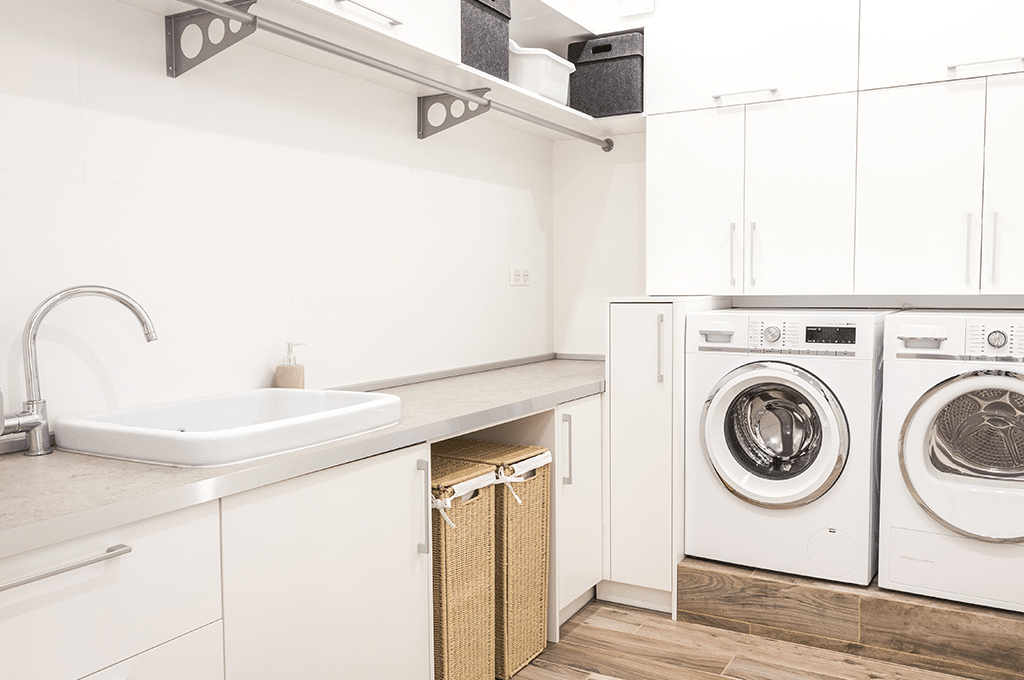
221	447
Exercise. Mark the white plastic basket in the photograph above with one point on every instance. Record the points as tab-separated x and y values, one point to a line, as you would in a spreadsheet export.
540	71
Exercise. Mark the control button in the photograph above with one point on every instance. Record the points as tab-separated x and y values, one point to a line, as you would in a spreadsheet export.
772	334
997	339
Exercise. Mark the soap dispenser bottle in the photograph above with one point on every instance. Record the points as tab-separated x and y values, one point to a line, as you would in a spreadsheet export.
289	373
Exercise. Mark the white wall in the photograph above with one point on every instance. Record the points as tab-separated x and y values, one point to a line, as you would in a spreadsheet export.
599	238
252	201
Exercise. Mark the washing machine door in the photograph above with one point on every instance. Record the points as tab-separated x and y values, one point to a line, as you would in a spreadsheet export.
961	453
775	434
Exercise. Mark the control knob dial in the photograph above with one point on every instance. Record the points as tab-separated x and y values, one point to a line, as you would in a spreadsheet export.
772	333
997	339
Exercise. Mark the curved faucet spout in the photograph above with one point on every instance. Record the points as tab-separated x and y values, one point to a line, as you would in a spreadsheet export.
39	434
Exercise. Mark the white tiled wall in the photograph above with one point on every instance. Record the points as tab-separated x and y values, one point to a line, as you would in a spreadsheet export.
252	201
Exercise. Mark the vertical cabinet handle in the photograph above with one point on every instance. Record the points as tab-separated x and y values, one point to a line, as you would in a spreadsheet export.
995	248
732	254
753	228
967	270
661	348
567	419
111	552
424	466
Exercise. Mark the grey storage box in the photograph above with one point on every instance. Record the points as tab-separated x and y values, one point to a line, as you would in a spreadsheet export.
485	35
609	75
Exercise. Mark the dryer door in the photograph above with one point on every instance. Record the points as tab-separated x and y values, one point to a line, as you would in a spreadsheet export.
775	434
962	454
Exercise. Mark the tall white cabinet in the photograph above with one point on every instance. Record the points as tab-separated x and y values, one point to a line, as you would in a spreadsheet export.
754	199
640	392
325	576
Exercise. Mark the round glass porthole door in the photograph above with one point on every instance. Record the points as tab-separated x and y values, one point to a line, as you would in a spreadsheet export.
962	454
775	434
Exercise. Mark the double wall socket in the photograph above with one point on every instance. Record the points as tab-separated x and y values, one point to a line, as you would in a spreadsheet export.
518	275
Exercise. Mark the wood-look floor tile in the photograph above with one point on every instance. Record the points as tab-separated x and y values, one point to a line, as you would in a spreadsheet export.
539	669
792	606
677	653
947	668
975	638
616	664
713	621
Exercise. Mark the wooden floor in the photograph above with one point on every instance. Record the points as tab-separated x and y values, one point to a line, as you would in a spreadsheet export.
613	642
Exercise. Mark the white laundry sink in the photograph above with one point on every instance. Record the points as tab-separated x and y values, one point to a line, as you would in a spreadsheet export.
225	429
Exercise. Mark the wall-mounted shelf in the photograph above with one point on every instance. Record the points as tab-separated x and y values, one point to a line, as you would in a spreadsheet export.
363	40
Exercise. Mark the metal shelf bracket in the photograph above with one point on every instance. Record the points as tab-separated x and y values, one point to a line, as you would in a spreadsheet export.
208	35
447	110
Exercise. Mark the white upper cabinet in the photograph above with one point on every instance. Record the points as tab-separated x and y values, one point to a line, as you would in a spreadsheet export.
757	199
918	41
919	189
700	54
1003	209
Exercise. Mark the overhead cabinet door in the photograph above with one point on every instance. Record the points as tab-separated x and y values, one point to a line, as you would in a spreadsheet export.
1003	215
704	54
904	42
919	189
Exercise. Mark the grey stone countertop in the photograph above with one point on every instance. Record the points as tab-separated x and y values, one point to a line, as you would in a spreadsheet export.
53	498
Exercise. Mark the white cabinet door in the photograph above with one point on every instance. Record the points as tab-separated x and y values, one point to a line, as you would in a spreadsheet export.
800	196
578	494
700	54
323	577
904	42
1004	187
695	202
919	189
756	199
196	656
640	441
80	621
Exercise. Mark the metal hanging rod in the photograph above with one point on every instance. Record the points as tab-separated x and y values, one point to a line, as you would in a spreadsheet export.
254	23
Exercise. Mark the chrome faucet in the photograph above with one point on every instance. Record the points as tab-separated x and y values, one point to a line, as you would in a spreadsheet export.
33	419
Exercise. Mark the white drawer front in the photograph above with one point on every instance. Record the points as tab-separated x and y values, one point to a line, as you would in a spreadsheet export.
78	622
196	656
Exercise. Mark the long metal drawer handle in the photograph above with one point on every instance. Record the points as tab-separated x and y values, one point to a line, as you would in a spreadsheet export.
770	90
753	228
567	418
424	547
970	220
732	253
391	20
112	552
995	249
661	348
953	67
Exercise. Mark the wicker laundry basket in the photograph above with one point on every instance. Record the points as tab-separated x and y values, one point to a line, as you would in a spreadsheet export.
463	563
522	533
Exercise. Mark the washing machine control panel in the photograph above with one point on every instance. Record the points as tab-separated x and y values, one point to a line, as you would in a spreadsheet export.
995	337
798	336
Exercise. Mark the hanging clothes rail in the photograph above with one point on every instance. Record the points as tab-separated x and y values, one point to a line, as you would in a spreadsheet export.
253	23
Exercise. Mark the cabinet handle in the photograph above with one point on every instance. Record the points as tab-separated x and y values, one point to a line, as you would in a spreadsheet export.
753	228
995	249
391	20
424	465
953	67
567	419
732	254
769	90
111	552
967	270
661	348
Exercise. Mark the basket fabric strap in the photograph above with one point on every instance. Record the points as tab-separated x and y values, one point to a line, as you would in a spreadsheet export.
521	468
440	505
460	490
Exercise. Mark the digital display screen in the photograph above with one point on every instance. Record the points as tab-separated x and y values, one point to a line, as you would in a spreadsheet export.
831	335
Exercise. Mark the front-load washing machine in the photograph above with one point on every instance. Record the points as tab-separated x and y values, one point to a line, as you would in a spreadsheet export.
952	504
781	440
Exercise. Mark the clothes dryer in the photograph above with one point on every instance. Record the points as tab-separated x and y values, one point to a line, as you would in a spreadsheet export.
781	440
952	498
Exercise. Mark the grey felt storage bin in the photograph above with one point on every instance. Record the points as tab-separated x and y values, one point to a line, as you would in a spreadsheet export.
609	75
485	35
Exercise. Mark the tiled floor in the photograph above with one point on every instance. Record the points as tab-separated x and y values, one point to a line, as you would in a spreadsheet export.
613	642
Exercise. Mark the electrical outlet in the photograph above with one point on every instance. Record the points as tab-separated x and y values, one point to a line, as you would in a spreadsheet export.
518	275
